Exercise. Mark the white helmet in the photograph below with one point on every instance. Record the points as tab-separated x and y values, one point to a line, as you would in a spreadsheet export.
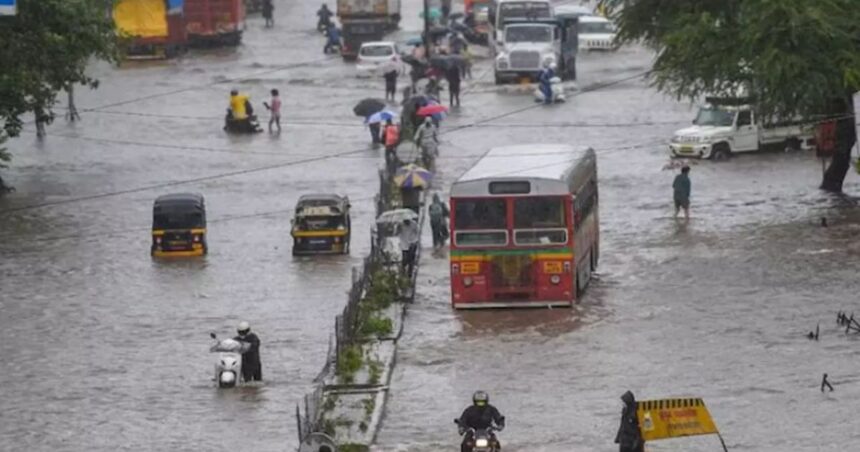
243	327
227	379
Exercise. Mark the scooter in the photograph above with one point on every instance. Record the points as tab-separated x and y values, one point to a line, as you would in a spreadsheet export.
228	367
557	89
248	125
482	440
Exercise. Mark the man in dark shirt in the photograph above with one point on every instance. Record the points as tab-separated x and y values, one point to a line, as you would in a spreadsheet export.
252	368
480	416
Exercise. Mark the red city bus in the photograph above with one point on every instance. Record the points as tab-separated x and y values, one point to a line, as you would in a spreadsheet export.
524	228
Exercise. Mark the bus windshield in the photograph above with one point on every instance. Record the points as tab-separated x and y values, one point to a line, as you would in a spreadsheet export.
539	221
709	116
480	222
523	10
528	34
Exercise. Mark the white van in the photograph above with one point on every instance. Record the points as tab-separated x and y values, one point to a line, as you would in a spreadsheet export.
720	131
596	33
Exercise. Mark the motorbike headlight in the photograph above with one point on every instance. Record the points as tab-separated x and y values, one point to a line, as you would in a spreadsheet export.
482	442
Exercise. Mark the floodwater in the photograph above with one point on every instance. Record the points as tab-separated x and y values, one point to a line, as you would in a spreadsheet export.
107	349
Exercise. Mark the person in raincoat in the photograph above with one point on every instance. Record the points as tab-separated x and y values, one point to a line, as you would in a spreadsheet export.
427	138
438	212
545	81
252	367
391	137
629	437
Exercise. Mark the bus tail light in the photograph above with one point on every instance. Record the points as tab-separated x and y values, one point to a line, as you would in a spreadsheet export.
455	269
467	281
555	279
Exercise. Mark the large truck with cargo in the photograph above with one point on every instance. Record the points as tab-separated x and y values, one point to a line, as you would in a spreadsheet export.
530	45
385	11
150	29
214	22
724	127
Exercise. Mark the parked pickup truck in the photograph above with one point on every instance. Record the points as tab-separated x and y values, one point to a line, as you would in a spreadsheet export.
720	131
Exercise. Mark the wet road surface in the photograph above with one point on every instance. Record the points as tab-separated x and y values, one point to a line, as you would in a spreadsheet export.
109	348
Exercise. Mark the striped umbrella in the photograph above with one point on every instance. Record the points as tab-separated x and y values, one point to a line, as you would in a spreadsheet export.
412	176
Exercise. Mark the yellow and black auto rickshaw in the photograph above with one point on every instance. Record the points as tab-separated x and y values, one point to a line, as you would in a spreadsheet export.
321	225
179	225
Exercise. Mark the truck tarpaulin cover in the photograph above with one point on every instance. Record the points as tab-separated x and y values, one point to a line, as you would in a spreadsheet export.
141	18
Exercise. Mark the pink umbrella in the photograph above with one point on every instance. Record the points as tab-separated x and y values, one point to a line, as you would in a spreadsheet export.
430	110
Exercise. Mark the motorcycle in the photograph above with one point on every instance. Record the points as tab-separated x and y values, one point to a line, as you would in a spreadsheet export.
481	440
246	125
228	367
557	89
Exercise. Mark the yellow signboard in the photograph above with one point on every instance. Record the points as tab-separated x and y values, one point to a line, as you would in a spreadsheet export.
471	268
674	418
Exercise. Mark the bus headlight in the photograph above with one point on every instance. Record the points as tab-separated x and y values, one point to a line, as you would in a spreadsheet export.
555	279
467	281
455	269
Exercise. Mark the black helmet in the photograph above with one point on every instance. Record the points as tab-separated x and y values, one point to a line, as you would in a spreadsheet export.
480	398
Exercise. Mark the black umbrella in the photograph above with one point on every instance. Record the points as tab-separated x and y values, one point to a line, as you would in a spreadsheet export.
368	107
455	16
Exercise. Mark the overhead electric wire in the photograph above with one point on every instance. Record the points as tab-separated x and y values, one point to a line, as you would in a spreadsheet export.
289	163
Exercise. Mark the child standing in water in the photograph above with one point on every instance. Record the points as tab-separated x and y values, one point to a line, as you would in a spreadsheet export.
275	108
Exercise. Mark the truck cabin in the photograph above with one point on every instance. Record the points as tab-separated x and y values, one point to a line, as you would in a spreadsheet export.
723	116
502	11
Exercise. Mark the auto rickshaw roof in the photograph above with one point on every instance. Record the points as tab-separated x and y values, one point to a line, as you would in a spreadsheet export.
321	199
180	200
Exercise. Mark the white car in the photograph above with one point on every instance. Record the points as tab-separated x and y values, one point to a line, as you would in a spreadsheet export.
596	33
375	58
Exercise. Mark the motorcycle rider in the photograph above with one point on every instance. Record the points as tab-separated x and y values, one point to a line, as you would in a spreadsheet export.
324	15
480	416
241	112
252	368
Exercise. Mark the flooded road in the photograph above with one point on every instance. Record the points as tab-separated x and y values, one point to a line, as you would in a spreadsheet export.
107	349
717	308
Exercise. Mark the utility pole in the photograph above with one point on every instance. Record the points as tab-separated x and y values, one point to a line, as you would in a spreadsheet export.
427	28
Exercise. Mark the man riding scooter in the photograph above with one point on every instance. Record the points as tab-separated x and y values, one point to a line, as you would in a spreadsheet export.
480	416
240	116
252	368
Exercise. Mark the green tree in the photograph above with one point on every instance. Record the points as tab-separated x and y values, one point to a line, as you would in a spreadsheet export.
46	48
793	57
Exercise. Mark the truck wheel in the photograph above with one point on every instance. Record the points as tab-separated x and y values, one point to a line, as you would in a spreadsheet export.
792	144
721	151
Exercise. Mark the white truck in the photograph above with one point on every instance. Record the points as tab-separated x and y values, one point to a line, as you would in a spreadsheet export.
722	130
387	11
527	47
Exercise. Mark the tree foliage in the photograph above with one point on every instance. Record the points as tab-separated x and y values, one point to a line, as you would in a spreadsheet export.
44	49
793	57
